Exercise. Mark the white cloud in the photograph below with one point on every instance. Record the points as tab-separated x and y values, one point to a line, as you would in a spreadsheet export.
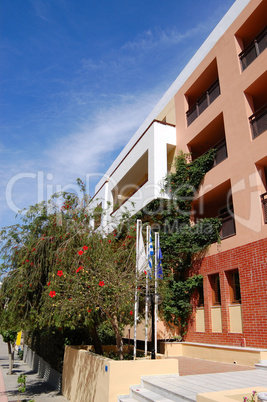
88	148
149	40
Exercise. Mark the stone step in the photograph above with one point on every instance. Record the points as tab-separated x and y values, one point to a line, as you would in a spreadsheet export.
126	398
262	366
169	392
142	394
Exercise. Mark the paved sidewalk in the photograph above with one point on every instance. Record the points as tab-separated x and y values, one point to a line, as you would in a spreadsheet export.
36	388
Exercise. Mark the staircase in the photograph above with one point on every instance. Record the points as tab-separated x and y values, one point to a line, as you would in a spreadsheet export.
169	388
153	389
261	365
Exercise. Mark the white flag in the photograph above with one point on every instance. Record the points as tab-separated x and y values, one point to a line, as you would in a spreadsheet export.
141	255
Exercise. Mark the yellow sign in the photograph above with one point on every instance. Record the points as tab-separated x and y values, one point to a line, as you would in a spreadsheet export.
18	338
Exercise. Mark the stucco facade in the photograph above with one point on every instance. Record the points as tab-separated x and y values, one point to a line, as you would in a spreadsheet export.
219	100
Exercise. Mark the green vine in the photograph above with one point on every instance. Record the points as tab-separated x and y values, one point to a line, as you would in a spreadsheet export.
181	241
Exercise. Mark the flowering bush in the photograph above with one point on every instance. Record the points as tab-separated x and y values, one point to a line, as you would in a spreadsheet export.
252	398
61	273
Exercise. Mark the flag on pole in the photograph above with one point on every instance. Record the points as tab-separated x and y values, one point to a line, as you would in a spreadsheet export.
150	254
159	259
141	254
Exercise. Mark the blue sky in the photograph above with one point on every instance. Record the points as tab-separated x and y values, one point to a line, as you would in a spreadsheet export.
78	78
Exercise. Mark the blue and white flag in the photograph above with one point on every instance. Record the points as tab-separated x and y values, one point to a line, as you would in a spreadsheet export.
150	254
159	259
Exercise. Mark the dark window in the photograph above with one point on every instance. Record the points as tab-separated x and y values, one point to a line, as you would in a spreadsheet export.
200	296
264	206
234	285
216	291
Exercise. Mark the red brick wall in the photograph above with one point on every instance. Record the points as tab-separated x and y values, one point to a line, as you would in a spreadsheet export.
251	261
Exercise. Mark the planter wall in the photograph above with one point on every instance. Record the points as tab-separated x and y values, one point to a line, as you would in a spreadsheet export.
90	377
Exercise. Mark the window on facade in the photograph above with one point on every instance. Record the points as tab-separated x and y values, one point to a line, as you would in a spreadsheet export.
200	296
216	291
234	286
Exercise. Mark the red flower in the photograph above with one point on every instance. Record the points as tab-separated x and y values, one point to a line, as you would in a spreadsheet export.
101	283
27	260
131	313
145	272
52	293
89	310
31	263
33	249
60	273
48	284
78	269
85	248
109	241
80	252
20	285
30	285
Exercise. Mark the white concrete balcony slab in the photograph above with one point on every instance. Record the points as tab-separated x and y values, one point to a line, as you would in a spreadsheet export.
137	176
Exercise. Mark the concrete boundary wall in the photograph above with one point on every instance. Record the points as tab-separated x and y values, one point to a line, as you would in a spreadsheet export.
40	366
90	377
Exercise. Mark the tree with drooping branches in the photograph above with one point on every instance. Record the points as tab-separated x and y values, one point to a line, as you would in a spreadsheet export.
59	271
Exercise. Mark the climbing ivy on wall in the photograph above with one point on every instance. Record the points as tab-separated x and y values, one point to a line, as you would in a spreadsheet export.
182	240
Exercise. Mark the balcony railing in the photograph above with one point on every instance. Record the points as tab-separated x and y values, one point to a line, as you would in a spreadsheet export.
221	152
258	121
264	205
254	49
228	225
203	102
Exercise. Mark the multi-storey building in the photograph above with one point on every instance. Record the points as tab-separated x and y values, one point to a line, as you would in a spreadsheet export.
218	101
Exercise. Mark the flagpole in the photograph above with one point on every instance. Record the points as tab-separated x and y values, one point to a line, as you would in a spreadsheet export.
138	225
156	288
146	305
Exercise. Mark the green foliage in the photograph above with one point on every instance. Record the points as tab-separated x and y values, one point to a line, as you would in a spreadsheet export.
50	342
182	240
8	336
20	354
22	383
61	273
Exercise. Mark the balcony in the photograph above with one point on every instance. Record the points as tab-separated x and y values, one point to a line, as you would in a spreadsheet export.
203	102
136	176
264	205
254	49
258	121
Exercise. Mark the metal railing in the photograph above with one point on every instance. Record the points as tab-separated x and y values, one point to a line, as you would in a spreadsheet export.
203	102
258	121
254	49
228	225
264	205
